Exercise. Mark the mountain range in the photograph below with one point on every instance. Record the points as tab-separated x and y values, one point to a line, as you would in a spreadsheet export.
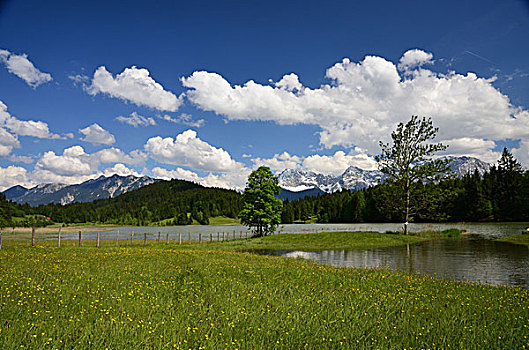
295	184
304	183
102	187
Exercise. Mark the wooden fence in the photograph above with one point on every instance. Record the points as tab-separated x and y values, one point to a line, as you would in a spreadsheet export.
148	238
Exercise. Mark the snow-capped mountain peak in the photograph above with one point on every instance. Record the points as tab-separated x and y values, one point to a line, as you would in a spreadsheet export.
354	178
99	188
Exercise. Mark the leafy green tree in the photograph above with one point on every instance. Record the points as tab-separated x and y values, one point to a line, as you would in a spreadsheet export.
5	212
408	160
261	209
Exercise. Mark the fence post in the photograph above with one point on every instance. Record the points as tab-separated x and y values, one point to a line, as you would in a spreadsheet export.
211	237
98	237
246	234
218	236
59	237
117	238
223	236
145	238
240	234
33	236
167	238
200	238
179	237
159	234
188	237
80	238
131	236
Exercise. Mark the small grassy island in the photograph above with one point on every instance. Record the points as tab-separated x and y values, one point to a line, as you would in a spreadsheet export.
335	240
211	296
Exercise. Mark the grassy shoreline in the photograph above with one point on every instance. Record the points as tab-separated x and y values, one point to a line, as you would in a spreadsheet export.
516	239
170	296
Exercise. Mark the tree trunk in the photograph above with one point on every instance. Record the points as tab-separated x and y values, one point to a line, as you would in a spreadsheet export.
407	189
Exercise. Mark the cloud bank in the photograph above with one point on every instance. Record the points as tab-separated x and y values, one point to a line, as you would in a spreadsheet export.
365	100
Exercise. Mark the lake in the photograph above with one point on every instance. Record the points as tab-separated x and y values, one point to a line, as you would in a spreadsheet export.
482	230
474	258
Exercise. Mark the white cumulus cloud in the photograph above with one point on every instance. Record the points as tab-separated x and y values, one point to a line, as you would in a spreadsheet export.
337	163
14	175
96	134
32	128
414	58
7	142
23	68
71	162
522	153
134	85
115	155
120	169
334	164
185	119
366	100
289	82
188	150
136	120
232	180
279	162
473	147
21	159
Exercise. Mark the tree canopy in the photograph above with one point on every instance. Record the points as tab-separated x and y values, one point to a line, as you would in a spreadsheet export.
408	161
261	209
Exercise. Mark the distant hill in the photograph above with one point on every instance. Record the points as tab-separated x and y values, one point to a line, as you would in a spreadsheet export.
102	187
291	195
175	202
15	192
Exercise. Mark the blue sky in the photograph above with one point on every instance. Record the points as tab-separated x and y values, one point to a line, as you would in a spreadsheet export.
208	90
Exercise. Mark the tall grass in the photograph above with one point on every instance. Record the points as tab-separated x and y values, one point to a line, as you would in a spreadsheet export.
162	296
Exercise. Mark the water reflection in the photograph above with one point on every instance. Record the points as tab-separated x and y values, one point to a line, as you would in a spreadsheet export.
476	260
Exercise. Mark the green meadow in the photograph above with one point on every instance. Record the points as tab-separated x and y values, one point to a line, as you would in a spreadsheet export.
211	296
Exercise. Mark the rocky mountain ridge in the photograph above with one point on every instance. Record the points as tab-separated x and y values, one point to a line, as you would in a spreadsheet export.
354	178
102	187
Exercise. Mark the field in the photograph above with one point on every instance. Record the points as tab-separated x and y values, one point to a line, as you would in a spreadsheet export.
171	296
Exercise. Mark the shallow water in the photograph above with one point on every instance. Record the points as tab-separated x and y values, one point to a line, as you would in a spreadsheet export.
474	259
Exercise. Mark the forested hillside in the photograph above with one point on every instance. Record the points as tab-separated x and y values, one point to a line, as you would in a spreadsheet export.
177	202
